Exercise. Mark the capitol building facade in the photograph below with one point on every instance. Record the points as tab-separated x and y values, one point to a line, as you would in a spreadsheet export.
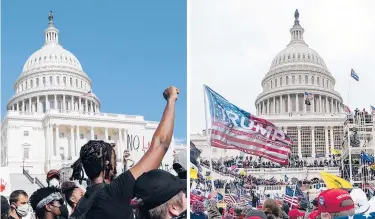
54	112
316	128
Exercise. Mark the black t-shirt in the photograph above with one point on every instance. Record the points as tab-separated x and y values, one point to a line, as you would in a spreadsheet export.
113	200
84	203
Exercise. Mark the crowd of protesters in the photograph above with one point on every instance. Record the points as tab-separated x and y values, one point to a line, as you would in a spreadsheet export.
143	191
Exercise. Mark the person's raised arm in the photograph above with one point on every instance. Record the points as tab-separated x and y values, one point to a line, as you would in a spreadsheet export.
162	137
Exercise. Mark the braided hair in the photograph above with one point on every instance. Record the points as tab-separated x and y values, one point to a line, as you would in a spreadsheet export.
95	157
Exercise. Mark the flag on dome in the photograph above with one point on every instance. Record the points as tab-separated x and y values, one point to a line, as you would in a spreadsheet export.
88	94
234	128
346	109
354	75
309	97
372	109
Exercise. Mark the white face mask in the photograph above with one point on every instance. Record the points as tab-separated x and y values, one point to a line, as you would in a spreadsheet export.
22	210
54	183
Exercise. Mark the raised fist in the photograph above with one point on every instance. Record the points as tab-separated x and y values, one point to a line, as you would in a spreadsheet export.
171	93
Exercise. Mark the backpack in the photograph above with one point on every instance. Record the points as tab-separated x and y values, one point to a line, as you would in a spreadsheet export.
90	200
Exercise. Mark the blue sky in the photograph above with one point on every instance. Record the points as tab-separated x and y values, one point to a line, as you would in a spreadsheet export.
131	50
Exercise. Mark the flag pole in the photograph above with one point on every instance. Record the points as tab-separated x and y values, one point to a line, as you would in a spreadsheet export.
349	87
208	137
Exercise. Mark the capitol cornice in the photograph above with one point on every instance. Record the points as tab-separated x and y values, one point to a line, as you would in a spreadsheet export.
50	91
78	118
293	89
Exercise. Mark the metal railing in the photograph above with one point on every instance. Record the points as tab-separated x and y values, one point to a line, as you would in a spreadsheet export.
39	183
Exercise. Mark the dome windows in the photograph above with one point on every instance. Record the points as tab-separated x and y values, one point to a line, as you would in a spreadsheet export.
312	80
303	56
58	80
275	82
37	82
281	81
293	79
50	80
299	55
64	80
294	56
318	81
299	79
308	56
44	81
31	83
287	80
71	81
76	82
288	57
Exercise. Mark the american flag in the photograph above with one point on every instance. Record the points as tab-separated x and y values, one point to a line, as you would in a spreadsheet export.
88	94
346	108
309	96
292	196
230	199
354	75
372	109
234	128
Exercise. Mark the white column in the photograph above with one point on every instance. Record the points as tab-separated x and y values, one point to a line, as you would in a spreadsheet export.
337	107
299	142
23	105
72	148
297	103
80	104
106	134
304	106
327	143
18	106
63	103
57	140
320	104
46	146
55	103
289	107
264	107
332	110
268	106
119	144
30	105
327	105
47	103
77	141
37	104
92	133
87	108
313	152
72	103
332	139
274	105
312	107
281	104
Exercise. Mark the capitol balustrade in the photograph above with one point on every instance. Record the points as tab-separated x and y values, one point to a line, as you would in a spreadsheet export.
108	116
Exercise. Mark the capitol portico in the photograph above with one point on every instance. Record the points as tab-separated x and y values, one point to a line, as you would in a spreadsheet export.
54	112
316	128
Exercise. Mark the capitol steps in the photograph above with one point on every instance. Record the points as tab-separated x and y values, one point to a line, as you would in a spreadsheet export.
21	182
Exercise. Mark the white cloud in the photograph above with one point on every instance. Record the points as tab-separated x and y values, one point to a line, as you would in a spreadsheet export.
232	44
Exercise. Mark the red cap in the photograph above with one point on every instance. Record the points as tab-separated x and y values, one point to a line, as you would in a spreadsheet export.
52	174
330	201
314	214
294	213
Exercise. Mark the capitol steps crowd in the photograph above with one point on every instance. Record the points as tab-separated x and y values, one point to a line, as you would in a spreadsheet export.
143	191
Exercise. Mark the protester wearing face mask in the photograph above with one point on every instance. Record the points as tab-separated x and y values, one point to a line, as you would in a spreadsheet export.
5	208
53	178
18	200
72	194
48	203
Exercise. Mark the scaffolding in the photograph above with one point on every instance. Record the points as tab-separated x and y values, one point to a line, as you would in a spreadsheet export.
359	133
